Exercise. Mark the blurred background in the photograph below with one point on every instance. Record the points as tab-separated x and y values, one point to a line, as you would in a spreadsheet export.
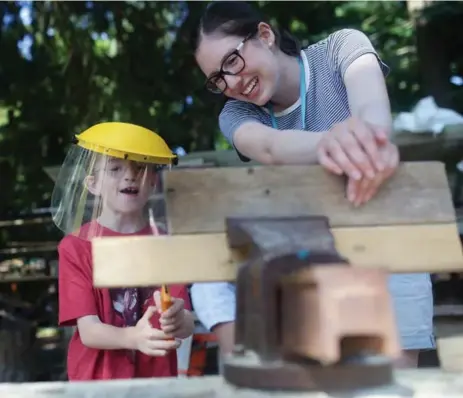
67	65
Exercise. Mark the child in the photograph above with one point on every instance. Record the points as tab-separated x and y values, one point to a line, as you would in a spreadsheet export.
103	189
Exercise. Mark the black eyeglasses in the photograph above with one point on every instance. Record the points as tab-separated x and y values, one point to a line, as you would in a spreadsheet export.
231	66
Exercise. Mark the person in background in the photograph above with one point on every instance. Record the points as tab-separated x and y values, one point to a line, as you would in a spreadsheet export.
103	190
324	104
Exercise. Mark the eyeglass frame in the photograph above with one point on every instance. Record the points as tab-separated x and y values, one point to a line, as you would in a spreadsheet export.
221	73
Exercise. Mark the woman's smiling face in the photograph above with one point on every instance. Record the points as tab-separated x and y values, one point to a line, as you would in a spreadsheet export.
249	66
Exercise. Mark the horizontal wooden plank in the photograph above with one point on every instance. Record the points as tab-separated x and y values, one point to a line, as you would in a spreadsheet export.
150	260
199	200
419	383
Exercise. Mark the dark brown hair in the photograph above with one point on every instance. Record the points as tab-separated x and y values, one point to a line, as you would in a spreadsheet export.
238	18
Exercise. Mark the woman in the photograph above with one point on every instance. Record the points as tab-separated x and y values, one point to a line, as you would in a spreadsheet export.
325	104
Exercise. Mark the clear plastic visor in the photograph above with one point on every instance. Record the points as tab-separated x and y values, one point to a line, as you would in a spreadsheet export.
96	194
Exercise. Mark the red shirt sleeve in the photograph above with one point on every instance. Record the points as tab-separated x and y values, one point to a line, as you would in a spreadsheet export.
75	287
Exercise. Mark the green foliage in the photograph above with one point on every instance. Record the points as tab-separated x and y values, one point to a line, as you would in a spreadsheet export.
391	31
133	61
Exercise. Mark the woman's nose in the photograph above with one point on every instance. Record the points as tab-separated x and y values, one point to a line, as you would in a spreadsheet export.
233	82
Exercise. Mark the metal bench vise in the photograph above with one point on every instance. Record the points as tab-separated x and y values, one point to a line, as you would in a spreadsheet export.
305	319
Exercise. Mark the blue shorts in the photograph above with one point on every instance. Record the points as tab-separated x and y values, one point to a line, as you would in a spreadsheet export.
214	303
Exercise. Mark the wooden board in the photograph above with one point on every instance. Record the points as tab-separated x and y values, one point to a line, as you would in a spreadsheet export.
199	200
149	260
409	227
419	383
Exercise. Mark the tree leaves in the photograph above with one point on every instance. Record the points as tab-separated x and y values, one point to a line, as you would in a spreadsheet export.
134	61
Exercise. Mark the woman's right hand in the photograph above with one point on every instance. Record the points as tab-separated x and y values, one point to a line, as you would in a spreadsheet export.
352	148
152	341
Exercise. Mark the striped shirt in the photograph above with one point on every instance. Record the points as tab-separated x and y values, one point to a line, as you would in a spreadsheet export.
325	63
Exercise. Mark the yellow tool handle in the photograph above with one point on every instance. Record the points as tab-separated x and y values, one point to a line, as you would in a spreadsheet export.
166	299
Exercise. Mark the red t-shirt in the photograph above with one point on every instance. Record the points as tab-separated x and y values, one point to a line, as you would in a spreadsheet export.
78	298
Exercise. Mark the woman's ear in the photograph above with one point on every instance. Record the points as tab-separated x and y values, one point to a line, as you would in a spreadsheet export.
265	34
90	184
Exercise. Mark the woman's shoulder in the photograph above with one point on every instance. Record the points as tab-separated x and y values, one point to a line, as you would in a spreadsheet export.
339	49
343	37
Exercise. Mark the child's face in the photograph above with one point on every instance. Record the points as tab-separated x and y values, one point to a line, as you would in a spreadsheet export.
123	185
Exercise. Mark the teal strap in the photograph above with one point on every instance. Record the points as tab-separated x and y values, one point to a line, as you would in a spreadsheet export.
302	96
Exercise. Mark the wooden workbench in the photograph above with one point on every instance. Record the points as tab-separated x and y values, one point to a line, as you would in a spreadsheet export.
419	383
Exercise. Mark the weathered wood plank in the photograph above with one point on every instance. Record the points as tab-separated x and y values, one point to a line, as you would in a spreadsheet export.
199	200
148	260
421	383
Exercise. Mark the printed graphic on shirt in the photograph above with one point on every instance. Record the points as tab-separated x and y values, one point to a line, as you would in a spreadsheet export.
129	303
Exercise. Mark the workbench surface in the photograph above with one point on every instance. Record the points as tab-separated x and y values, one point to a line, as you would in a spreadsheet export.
421	383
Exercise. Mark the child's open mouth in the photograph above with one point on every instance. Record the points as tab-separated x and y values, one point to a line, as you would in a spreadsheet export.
129	191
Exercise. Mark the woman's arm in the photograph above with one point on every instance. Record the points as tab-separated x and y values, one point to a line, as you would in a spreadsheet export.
367	92
274	147
225	334
215	306
369	102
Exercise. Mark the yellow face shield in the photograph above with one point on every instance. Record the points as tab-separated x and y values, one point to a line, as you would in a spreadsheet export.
102	188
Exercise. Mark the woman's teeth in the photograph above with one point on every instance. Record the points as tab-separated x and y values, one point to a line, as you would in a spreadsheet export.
250	86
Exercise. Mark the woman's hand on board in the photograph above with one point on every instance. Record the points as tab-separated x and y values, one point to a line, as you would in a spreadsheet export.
363	153
361	191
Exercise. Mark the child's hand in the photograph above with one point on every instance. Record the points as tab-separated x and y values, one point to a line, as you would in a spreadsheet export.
174	320
151	341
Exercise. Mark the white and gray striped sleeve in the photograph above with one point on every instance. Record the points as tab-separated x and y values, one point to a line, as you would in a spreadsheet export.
234	114
346	45
214	302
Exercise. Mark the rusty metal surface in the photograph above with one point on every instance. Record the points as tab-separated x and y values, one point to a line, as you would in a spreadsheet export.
279	235
247	370
275	248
